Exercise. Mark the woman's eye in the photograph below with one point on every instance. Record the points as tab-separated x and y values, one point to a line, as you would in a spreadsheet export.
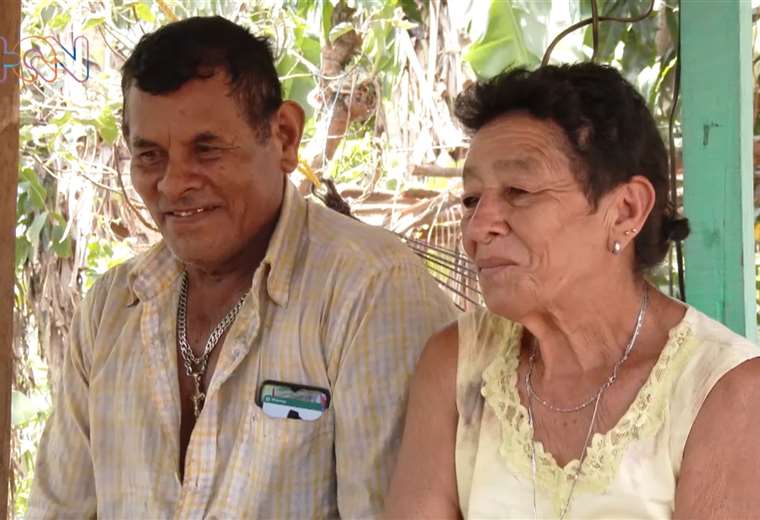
469	201
517	191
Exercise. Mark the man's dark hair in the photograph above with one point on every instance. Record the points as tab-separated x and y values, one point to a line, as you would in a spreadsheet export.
612	134
196	48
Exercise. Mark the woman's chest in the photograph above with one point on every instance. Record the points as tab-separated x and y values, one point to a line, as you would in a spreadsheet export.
633	478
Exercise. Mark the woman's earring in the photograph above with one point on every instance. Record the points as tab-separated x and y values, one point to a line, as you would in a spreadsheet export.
616	248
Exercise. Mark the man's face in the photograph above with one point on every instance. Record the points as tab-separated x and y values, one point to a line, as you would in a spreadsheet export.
213	188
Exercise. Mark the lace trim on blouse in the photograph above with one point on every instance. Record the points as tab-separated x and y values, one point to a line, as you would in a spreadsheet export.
642	419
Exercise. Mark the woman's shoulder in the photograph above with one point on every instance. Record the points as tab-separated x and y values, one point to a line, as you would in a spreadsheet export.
720	427
488	345
460	353
711	351
481	337
709	354
717	340
699	350
482	332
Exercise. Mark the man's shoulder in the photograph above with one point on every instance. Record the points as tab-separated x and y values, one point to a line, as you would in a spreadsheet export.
345	237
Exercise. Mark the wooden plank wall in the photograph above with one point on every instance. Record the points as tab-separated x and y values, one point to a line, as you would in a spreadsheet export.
9	149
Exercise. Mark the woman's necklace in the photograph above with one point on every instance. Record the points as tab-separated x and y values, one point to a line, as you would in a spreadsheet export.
195	367
596	398
613	377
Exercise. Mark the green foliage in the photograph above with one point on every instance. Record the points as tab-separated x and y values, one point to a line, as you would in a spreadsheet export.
327	8
106	125
354	160
411	11
298	62
144	13
103	255
500	45
29	411
30	188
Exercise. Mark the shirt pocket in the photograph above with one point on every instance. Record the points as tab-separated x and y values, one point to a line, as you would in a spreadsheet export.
295	466
291	438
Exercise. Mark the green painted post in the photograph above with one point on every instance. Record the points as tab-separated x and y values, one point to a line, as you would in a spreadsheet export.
716	68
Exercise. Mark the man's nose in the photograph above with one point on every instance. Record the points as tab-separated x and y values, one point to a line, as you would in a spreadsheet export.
489	220
179	178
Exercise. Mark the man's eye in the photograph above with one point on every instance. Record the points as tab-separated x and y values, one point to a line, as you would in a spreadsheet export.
149	157
208	152
469	201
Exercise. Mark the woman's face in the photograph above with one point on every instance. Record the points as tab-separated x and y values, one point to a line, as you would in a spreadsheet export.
527	223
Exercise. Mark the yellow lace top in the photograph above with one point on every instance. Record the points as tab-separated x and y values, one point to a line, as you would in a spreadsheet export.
629	472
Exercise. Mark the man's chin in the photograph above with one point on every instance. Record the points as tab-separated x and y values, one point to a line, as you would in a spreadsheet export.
195	254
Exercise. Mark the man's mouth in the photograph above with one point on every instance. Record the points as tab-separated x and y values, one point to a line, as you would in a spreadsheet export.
184	213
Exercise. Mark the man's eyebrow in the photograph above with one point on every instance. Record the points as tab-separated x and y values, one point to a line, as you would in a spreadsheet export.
209	137
141	142
201	138
205	137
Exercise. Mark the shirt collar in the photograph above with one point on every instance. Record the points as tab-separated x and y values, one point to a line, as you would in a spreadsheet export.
285	244
158	267
152	272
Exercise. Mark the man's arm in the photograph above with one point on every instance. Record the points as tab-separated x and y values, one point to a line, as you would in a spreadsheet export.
424	482
386	330
720	466
64	484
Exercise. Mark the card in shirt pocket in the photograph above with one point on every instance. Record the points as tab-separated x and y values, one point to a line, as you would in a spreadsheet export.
281	400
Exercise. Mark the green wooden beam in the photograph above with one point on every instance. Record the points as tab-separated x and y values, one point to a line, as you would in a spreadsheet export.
716	68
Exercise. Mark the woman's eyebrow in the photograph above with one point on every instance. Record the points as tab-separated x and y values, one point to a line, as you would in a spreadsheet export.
516	165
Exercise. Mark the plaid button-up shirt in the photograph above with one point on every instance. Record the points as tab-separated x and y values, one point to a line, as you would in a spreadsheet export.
335	304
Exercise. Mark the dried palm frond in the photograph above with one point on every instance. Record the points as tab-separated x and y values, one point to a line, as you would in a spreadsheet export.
453	271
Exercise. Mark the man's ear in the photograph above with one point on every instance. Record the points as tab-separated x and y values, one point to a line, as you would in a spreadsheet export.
635	200
287	129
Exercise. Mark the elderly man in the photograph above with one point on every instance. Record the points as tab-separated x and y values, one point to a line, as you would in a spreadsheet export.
254	364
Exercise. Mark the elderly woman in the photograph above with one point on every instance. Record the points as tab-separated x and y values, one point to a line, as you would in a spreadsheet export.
582	391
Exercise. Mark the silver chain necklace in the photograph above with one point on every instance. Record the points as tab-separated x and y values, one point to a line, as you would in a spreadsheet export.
609	382
596	399
195	367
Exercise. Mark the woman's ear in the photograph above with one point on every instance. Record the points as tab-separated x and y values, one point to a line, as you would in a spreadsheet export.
634	201
287	129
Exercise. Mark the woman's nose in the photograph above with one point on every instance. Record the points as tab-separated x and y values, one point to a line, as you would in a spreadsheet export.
488	221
